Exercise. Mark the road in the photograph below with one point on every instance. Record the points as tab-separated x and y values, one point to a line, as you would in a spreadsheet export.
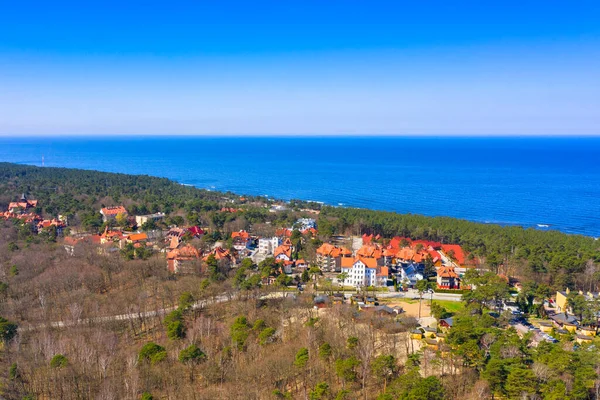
410	294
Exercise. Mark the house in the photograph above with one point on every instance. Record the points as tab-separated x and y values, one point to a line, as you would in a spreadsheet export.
137	238
301	264
19	207
329	257
241	240
446	323
562	301
338	298
110	213
410	273
111	236
588	330
581	339
364	272
221	255
283	252
195	231
565	321
175	232
546	326
183	260
447	278
304	224
142	219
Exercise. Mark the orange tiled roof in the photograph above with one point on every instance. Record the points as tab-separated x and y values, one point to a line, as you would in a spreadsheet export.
347	262
137	237
459	255
283	250
446	272
371	251
114	210
369	262
240	234
187	252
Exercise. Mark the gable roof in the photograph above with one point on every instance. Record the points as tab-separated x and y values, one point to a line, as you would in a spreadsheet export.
137	237
113	210
240	234
446	272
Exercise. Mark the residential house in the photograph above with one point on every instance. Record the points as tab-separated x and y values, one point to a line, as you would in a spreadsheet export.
183	260
447	278
562	301
19	207
241	240
565	321
409	273
136	238
142	219
110	213
221	255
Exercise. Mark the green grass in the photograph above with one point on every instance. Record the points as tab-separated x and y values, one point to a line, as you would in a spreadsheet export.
451	306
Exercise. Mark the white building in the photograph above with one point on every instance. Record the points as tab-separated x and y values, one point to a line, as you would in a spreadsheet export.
364	272
410	274
266	247
306	223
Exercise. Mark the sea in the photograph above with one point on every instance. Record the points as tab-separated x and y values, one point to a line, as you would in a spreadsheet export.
541	183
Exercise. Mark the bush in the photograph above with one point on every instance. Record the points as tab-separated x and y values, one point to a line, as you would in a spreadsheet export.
8	330
59	361
191	353
266	336
152	352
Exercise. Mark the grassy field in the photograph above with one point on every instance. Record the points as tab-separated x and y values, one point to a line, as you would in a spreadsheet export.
451	306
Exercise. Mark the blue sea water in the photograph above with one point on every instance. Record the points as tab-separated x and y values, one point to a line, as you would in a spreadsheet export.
522	181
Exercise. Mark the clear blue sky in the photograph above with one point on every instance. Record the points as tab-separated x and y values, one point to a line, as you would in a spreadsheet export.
300	67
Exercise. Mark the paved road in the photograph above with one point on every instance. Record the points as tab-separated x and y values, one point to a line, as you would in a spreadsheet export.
411	294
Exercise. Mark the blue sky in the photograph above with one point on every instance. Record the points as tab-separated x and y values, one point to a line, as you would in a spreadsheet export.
293	68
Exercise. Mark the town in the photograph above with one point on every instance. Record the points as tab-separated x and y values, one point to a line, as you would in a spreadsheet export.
371	272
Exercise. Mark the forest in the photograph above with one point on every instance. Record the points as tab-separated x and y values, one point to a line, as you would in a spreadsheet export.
102	326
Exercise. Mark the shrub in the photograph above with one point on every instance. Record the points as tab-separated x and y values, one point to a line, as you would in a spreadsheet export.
59	361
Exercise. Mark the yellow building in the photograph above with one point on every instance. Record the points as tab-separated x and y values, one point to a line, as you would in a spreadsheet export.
583	339
561	300
546	327
588	330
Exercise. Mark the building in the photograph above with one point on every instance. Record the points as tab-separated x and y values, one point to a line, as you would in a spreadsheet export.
329	257
22	205
364	272
142	219
304	224
562	301
447	278
240	240
110	213
409	274
268	245
183	260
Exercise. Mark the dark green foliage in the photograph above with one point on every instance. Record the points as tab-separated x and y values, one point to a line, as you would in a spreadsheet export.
13	372
346	368
240	330
266	336
59	361
8	329
325	351
186	301
301	358
175	325
192	353
321	391
152	353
